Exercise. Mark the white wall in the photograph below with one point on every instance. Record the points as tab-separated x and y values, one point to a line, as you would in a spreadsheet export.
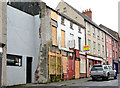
69	31
22	39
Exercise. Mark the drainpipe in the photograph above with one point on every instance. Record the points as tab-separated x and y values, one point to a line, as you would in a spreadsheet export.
0	64
86	53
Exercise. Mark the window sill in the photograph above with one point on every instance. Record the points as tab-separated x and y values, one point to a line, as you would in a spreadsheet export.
98	38
54	45
63	24
79	32
71	28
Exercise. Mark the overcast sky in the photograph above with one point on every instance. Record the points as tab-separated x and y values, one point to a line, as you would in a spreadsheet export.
103	11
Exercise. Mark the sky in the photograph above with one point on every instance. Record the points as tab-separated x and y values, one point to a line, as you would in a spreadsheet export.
103	11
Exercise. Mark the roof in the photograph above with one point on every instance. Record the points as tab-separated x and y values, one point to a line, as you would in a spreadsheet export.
86	18
110	31
67	17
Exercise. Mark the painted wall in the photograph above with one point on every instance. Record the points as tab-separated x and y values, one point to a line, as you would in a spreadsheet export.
3	38
94	38
70	12
69	31
23	40
116	49
109	46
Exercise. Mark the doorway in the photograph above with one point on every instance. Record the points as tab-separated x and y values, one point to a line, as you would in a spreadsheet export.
29	70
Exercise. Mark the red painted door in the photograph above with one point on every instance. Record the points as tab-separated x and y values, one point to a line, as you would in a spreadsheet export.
70	68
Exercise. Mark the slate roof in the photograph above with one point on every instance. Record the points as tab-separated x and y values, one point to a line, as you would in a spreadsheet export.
109	30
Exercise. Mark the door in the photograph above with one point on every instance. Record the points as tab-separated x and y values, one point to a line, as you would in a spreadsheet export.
111	71
116	67
70	68
77	69
29	70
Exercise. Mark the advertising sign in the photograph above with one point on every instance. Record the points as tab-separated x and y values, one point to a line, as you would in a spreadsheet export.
86	48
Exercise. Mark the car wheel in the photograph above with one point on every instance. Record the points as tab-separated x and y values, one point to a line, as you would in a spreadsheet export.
115	76
103	79
107	78
93	78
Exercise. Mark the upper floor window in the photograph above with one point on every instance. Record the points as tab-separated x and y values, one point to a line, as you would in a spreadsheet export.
65	9
93	30
110	53
62	38
88	27
71	25
98	49
79	29
116	54
112	42
106	39
54	35
62	20
102	36
103	49
107	52
94	45
98	33
113	54
89	43
115	44
79	43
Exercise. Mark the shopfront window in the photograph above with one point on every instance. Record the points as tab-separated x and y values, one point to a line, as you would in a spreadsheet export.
14	60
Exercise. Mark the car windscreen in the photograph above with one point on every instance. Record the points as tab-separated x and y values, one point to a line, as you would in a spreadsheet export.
96	69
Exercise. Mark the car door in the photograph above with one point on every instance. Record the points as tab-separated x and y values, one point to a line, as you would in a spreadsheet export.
111	71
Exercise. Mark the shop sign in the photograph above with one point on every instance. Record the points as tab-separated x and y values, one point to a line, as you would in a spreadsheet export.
86	48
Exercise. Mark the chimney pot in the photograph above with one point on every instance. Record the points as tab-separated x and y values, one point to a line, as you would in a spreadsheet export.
88	12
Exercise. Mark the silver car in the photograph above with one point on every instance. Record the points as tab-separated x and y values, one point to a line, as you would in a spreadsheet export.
102	71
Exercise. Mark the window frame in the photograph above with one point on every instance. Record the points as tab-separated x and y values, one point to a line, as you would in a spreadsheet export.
93	28
79	29
98	49
88	27
98	34
62	20
13	57
79	43
71	25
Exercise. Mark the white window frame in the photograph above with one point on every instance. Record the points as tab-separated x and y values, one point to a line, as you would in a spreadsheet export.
98	49
88	27
98	34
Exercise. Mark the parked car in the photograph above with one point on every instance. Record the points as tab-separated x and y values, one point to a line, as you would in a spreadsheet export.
103	71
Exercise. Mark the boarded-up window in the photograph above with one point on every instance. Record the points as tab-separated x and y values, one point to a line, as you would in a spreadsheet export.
62	38
77	65
54	35
64	64
54	15
82	66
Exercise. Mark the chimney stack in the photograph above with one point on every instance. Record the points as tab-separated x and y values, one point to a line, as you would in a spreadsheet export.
88	13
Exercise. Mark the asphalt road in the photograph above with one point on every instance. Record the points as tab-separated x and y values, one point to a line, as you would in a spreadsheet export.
78	83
